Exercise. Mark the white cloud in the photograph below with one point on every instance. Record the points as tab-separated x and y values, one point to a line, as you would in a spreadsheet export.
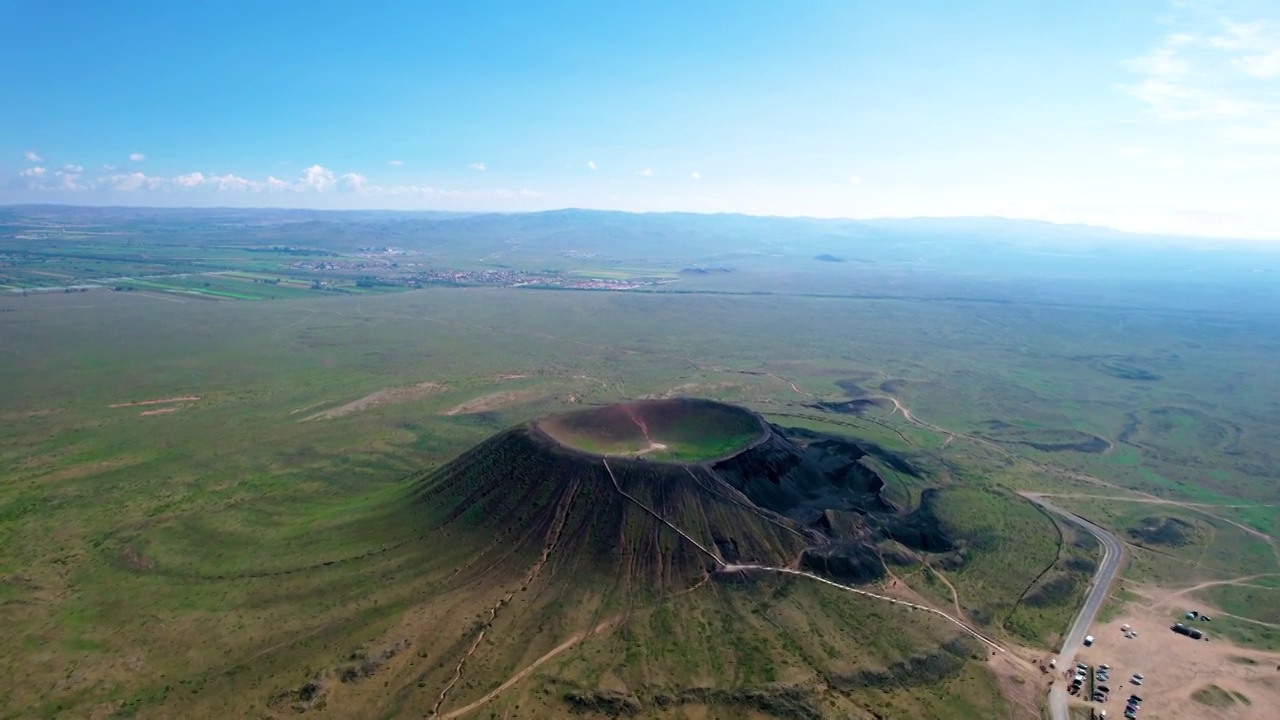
1263	67
189	180
1196	77
39	178
1238	35
1259	43
591	164
108	168
477	166
69	178
647	172
137	157
855	180
1133	151
131	181
1171	161
234	183
395	163
353	182
313	181
73	169
315	178
1175	101
1255	135
32	156
696	175
1161	62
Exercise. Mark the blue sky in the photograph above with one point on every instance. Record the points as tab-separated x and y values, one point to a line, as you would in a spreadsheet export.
1145	115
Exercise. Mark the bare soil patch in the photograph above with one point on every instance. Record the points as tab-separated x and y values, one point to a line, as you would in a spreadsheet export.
83	470
46	273
160	411
7	417
492	401
308	407
135	559
1175	668
1021	686
690	389
387	396
159	401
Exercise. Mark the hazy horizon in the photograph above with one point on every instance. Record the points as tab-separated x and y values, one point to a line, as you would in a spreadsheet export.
1136	236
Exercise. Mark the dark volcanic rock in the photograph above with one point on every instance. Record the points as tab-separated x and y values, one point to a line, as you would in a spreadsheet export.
922	530
848	561
895	553
1053	590
857	406
1166	531
800	472
609	703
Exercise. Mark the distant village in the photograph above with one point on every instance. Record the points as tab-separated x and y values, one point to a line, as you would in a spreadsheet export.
523	278
388	272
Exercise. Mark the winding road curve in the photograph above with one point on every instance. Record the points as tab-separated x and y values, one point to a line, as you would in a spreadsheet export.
1108	568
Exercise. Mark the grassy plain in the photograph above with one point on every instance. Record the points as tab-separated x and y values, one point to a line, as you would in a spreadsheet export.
211	556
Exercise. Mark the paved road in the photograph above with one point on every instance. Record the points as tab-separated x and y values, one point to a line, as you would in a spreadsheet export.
1112	554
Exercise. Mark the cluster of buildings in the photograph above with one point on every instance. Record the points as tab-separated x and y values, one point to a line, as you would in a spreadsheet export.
388	272
322	265
524	278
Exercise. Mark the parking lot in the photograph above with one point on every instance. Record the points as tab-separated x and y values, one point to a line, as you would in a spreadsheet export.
1175	667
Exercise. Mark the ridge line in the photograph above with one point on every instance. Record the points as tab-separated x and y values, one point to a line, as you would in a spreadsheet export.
720	563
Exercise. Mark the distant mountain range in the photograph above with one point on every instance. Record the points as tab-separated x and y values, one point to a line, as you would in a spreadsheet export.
573	218
965	246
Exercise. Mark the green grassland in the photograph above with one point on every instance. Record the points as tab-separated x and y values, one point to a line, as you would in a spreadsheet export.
203	560
1207	549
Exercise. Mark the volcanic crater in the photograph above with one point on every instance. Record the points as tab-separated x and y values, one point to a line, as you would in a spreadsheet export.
680	430
665	492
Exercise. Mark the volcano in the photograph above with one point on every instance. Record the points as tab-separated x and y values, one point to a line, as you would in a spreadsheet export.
661	491
587	562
